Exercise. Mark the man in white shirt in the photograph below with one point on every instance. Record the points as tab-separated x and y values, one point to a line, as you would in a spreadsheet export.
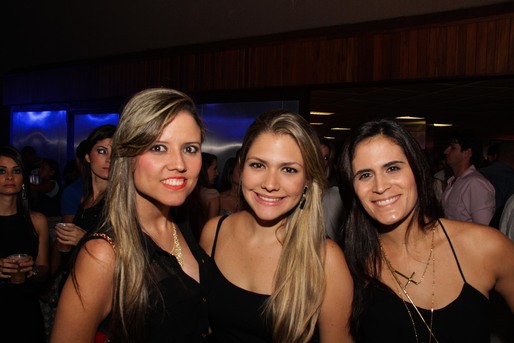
469	196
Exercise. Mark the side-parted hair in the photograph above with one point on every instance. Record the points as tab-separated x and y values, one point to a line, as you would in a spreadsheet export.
98	134
23	197
299	282
142	121
360	232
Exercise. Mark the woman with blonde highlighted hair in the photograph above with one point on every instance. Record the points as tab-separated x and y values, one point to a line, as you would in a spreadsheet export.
278	279
138	278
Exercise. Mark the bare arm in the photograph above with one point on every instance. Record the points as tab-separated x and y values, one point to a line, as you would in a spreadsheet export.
78	316
335	312
213	207
41	267
503	266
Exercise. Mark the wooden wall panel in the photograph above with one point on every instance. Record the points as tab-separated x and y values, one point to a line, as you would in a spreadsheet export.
463	48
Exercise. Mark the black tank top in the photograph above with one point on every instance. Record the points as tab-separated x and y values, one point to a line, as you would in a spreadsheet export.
235	314
385	318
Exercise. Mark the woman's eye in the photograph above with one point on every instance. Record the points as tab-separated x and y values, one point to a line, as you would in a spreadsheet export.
101	151
2	171
17	171
393	168
192	149
158	148
364	176
256	165
290	170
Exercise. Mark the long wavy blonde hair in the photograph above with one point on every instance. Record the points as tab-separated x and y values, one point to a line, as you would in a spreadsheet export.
142	122
299	282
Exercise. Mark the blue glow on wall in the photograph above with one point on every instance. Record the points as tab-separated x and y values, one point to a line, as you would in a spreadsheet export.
50	132
226	124
46	131
83	124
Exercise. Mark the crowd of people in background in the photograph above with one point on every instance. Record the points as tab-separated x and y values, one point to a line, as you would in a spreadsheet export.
298	239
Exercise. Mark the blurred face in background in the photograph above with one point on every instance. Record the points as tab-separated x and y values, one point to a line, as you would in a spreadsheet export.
100	158
212	171
11	176
325	152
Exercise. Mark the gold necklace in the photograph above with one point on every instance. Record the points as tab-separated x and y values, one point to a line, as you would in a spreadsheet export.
177	249
404	290
410	278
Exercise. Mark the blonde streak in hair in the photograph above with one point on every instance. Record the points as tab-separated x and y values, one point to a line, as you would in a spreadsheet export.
128	281
295	304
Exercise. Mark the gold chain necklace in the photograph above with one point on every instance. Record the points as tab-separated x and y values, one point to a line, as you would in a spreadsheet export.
177	249
404	290
410	278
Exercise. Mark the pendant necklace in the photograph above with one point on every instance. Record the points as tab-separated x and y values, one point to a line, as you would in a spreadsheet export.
177	249
410	278
403	289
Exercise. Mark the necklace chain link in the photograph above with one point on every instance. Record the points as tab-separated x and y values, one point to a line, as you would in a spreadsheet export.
177	249
403	289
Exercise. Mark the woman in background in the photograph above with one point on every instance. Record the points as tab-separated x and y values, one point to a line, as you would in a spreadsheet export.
96	178
209	195
22	231
229	200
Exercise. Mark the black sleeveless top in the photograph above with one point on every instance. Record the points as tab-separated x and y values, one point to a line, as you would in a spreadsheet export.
180	315
385	318
20	300
90	218
235	314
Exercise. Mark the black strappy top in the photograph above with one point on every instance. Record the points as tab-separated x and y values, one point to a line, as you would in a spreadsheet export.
235	314
385	318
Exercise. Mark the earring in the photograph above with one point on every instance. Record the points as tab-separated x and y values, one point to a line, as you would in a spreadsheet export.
302	201
23	192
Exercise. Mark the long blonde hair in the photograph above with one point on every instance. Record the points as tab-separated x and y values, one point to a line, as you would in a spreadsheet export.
141	123
299	282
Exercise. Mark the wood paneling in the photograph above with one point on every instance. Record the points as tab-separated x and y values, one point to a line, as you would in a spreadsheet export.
478	46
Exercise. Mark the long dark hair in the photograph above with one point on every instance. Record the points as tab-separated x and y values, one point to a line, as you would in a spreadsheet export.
226	175
207	160
23	197
360	232
99	133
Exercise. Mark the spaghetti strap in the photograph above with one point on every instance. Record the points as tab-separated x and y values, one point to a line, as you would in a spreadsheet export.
216	236
453	250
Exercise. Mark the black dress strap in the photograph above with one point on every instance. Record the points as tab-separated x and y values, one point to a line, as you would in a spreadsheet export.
216	236
453	250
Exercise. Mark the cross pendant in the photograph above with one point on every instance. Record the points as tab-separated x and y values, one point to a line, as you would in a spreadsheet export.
409	280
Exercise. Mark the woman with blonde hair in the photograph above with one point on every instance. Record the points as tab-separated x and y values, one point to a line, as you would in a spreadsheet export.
278	279
138	278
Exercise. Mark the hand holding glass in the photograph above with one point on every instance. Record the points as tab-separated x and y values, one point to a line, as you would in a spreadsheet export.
18	259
